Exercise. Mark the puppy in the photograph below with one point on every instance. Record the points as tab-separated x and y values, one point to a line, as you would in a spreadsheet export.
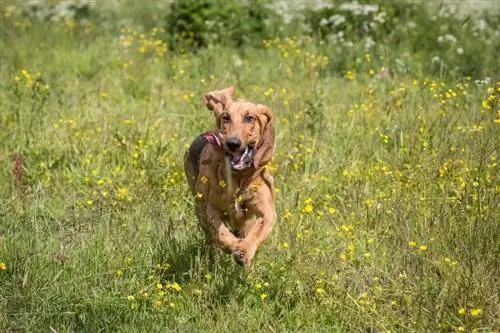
226	172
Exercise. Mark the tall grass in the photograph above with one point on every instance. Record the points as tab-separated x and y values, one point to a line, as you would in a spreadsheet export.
387	184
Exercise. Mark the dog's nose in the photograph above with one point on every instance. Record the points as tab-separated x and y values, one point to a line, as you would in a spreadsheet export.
233	143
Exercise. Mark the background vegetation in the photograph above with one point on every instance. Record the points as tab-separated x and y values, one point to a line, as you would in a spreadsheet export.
386	168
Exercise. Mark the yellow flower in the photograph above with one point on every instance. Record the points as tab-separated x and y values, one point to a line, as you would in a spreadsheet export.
222	183
3	266
461	329
461	311
423	248
203	179
269	92
175	286
263	296
130	297
320	291
308	209
476	312
412	244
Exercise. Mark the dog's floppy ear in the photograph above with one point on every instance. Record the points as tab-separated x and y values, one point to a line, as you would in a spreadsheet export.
218	100
265	147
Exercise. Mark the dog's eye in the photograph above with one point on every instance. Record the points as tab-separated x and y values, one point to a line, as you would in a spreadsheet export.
249	119
225	118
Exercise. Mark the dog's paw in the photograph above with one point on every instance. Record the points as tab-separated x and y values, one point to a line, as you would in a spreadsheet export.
243	256
239	257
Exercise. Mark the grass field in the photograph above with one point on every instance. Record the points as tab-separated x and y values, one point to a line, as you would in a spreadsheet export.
388	192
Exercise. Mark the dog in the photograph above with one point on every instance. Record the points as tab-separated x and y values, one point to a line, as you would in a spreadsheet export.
226	172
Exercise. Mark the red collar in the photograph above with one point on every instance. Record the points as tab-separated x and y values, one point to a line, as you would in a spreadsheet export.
213	139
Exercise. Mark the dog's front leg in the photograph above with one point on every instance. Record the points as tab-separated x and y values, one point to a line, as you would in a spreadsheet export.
261	229
224	238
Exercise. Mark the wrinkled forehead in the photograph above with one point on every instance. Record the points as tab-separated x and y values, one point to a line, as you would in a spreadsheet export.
242	107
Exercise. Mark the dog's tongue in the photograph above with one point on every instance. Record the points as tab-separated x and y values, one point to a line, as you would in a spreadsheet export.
241	159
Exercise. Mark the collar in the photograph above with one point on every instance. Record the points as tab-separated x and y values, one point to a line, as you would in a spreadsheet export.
213	139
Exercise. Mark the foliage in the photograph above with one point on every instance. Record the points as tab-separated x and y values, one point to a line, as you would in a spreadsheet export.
387	182
204	22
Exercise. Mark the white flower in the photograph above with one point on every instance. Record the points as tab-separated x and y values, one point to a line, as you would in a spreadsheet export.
411	25
460	50
380	17
359	9
337	19
369	43
481	25
450	38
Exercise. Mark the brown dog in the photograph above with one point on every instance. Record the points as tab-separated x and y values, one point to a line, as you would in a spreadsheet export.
226	172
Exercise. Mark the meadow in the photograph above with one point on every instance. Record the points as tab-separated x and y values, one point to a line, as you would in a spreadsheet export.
386	170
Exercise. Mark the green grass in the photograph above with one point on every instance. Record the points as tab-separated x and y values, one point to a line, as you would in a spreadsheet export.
388	197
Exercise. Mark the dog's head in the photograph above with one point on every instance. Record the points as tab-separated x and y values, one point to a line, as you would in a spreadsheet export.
246	129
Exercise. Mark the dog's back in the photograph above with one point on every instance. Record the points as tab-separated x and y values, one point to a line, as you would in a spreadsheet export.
192	160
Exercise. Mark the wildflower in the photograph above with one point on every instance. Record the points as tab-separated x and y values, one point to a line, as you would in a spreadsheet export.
351	247
203	179
119	272
263	296
461	329
320	291
3	266
175	286
349	75
157	303
123	194
422	248
461	311
159	286
222	183
412	244
130	297
308	209
476	312
269	92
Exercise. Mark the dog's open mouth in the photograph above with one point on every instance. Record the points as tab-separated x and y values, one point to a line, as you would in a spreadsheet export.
241	159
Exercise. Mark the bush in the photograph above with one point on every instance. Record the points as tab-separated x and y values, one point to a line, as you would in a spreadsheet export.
438	40
198	23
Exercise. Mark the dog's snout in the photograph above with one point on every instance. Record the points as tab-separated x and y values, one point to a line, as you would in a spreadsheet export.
233	143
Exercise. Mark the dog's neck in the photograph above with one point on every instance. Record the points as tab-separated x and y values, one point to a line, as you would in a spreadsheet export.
238	180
